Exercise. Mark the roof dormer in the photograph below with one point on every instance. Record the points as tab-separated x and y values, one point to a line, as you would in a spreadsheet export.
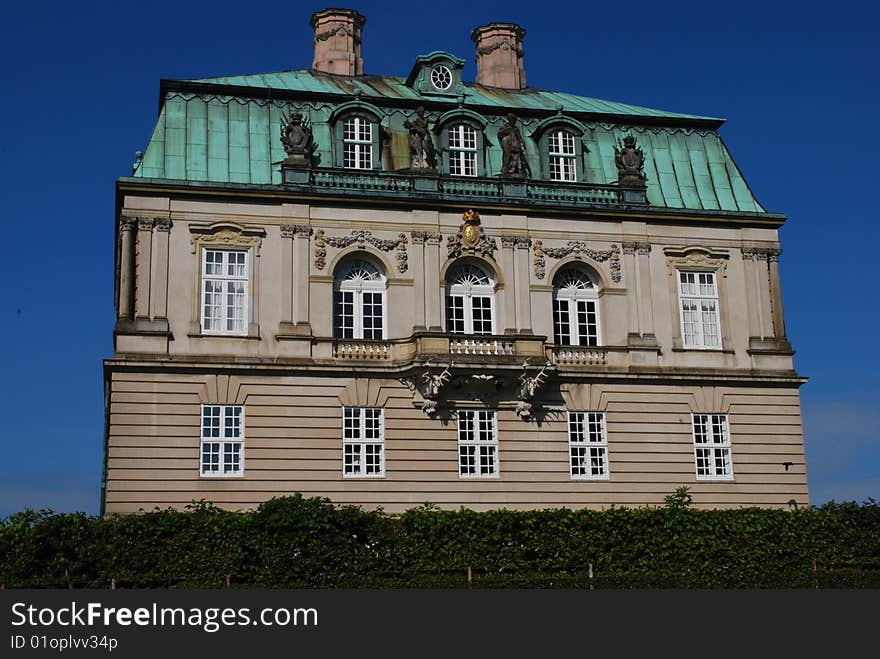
437	73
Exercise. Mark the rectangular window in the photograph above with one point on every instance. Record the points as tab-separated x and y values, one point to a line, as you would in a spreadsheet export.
698	298
462	150
588	445
583	329
372	315
455	314
482	309
712	447
224	290
363	442
344	314
562	156
222	440
477	444
357	142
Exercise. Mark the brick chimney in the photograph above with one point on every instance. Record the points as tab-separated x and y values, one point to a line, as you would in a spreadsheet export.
500	55
338	41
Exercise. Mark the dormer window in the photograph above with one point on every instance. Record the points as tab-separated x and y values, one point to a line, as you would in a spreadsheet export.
462	150
437	73
560	141
357	137
562	155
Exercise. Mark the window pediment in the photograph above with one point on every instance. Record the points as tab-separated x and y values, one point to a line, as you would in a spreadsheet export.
226	234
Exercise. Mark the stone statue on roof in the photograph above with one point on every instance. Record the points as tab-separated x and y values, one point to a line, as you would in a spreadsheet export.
513	147
630	163
296	137
421	146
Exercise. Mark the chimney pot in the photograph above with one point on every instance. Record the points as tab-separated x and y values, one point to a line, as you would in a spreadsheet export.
500	55
338	36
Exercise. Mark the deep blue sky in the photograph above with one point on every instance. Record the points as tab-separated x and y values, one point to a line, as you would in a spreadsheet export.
797	81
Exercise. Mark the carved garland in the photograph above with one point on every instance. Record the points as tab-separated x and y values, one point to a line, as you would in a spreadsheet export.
578	247
341	31
362	237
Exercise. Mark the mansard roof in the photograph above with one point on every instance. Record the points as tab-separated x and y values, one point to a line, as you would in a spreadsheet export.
226	130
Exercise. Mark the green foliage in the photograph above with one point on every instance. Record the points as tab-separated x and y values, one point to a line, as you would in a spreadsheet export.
294	542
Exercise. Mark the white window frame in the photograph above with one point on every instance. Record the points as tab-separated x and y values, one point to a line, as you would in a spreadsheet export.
466	293
562	152
225	435
473	433
711	433
700	339
357	287
572	298
357	152
463	158
588	446
226	280
356	443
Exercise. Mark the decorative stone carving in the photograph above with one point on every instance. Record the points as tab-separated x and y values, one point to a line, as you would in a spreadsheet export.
226	234
579	247
529	386
362	237
128	223
296	137
470	238
513	147
696	256
432	387
636	247
341	31
145	223
294	230
630	161
540	264
769	253
421	237
516	241
421	146
163	224
320	250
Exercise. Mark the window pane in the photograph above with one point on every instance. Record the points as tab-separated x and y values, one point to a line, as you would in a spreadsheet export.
482	315
455	314
561	322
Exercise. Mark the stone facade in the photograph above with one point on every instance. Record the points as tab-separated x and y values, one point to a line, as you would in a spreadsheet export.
288	359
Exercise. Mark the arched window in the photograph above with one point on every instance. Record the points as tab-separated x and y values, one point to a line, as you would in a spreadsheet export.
575	308
469	300
359	301
463	149
562	155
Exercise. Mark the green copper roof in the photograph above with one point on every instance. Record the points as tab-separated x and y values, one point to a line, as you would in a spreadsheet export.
394	88
217	131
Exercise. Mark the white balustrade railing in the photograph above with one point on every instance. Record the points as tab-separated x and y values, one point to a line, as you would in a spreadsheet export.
360	350
475	345
579	356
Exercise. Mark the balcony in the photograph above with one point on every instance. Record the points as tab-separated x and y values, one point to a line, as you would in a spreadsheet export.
579	356
441	187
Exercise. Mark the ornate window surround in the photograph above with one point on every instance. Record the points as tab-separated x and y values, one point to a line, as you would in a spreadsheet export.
697	258
541	136
229	236
453	118
356	108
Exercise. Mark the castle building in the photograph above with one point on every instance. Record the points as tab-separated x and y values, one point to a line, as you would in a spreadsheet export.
395	291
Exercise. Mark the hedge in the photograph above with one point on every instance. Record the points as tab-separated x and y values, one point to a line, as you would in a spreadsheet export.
296	542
